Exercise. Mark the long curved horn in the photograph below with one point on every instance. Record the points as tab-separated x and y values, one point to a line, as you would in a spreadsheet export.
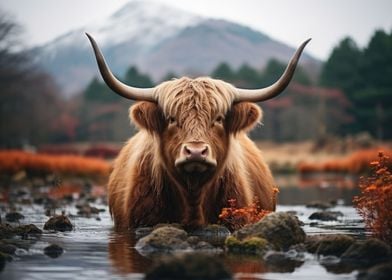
120	88
258	95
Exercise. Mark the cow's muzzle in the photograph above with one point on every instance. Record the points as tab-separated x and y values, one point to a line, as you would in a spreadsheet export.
195	157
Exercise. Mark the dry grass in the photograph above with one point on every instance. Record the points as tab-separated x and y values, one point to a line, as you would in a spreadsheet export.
14	161
355	163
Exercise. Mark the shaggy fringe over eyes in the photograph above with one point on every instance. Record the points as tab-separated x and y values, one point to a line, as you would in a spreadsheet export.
174	94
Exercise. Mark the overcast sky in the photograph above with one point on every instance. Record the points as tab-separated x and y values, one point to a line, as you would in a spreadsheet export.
290	21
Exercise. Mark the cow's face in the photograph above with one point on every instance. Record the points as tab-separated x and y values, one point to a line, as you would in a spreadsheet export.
194	121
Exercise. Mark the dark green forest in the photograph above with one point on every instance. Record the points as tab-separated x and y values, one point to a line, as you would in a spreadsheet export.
352	95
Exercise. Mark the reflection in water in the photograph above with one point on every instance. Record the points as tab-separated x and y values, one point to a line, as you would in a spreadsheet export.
123	255
125	259
297	190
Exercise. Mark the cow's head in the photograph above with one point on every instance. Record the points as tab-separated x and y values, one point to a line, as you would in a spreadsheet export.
194	119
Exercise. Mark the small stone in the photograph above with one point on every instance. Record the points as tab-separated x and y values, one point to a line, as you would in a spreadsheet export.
280	229
14	217
164	239
53	251
87	210
326	215
59	223
189	266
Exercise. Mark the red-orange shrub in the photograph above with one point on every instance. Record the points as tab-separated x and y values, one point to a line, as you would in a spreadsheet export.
15	161
235	218
374	203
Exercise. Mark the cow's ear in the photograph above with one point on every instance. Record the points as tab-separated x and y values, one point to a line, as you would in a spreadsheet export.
147	115
243	116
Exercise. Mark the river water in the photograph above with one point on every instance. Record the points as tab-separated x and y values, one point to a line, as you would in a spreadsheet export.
93	250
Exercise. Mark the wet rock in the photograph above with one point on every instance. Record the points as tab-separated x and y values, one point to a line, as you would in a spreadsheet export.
203	245
334	244
189	266
59	223
164	239
282	262
14	217
6	231
370	252
251	245
214	234
326	215
53	251
88	211
7	248
27	230
280	229
378	272
319	205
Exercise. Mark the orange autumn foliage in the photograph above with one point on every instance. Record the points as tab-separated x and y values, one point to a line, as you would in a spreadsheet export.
356	163
235	218
374	203
14	161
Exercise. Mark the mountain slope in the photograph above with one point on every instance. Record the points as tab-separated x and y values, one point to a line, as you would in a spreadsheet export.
158	39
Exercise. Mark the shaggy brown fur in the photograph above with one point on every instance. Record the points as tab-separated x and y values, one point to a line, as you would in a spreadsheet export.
146	188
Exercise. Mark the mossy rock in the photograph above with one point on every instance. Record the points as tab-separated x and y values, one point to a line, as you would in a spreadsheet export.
165	238
280	229
251	245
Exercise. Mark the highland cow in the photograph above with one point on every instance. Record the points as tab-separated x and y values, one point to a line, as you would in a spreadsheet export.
191	153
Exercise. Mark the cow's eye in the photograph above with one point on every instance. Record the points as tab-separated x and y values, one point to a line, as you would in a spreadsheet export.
219	119
171	120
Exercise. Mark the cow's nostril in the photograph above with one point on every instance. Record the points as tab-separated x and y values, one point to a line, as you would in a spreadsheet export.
204	152
187	151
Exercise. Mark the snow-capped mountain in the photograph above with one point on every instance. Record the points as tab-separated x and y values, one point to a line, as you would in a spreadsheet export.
157	39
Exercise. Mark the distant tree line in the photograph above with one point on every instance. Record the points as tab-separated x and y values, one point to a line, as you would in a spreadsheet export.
365	76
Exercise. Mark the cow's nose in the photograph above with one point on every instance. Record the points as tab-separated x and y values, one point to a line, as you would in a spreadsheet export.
195	151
